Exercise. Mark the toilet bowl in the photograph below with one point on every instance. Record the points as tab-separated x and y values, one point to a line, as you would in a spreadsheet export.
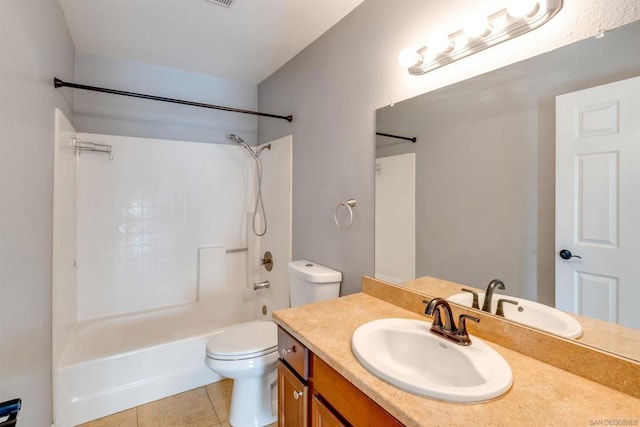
247	353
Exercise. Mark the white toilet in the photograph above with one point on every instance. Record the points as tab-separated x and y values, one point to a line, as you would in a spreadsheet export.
247	352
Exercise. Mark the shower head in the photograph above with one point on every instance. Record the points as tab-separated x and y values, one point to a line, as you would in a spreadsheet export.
235	138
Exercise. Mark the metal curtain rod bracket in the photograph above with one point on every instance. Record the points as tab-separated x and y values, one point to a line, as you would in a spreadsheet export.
59	83
388	135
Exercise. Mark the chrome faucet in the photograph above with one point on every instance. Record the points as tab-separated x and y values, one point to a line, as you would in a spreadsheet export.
439	306
261	285
488	295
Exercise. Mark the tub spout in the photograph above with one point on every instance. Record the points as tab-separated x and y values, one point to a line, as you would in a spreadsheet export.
261	285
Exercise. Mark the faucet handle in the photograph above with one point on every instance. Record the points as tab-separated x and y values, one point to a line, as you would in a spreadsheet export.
501	301
475	297
462	328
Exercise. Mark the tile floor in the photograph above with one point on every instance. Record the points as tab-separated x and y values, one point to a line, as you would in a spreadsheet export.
202	407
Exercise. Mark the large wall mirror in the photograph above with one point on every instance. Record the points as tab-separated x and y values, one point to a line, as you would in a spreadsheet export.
473	198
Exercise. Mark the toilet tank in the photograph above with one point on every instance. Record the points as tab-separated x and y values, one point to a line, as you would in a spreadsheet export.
311	282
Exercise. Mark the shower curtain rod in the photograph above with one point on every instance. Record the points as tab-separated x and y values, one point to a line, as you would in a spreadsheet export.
59	83
412	139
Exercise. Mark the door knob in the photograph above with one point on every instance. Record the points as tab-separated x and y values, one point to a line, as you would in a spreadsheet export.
566	254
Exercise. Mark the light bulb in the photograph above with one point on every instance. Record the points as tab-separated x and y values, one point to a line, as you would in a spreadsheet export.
522	8
438	44
474	28
409	57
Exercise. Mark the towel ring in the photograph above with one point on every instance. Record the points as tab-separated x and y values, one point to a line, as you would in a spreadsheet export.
349	204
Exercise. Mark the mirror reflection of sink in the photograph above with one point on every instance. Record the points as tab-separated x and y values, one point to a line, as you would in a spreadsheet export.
528	313
404	353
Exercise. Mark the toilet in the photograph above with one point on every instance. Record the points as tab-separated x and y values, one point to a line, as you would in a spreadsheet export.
248	354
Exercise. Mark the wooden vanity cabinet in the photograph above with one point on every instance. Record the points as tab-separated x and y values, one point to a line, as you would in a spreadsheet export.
322	415
311	393
293	398
293	377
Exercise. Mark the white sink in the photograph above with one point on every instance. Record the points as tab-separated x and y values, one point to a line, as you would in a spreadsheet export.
528	313
404	353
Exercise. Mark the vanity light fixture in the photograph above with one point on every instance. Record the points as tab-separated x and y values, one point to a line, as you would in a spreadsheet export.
517	18
476	28
522	8
439	44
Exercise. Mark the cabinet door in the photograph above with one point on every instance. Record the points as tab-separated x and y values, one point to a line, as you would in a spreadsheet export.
292	399
322	415
346	399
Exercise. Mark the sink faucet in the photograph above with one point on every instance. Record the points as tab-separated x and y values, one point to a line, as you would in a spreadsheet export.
488	295
448	330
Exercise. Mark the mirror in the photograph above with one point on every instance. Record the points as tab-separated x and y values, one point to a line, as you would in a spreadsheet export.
485	168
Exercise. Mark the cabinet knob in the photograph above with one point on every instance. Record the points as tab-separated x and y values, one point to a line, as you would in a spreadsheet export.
297	394
286	351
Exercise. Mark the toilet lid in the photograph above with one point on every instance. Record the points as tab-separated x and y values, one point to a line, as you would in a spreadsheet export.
246	340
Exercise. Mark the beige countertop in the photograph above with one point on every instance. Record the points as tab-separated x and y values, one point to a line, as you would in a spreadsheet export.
541	393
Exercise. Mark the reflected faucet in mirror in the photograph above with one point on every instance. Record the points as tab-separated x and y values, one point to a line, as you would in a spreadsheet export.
488	295
525	312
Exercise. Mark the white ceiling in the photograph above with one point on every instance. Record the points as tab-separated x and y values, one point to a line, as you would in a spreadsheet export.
246	42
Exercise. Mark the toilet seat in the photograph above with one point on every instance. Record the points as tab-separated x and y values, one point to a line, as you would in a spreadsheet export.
244	341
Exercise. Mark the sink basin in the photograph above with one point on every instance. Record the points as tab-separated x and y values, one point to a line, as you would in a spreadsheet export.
404	353
528	313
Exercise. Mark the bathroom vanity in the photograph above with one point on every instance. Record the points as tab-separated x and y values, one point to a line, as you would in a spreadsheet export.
310	392
322	383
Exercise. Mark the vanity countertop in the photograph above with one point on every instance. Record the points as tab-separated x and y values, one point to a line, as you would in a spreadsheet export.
541	394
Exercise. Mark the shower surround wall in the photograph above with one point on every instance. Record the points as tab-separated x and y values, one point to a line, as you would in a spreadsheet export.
143	216
142	278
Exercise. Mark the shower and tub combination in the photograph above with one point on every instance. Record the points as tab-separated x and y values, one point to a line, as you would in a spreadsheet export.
153	255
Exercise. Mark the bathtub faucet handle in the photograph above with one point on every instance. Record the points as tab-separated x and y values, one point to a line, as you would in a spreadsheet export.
267	261
261	285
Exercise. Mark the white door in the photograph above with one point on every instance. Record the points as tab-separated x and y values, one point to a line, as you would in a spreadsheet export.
598	202
395	227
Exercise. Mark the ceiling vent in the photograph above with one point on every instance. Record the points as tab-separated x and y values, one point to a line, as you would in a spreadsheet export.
225	3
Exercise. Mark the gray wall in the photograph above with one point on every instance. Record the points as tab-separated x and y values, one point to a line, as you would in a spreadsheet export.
119	115
476	198
334	86
35	46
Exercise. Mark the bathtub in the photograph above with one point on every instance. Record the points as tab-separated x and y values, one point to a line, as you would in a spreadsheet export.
117	363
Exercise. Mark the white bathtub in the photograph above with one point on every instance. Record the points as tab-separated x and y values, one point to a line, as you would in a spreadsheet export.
117	363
